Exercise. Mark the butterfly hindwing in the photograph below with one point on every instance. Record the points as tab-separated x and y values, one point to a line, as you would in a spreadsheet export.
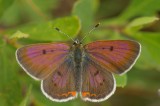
97	83
39	60
116	56
60	84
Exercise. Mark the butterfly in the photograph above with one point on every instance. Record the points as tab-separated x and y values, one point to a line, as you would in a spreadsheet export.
68	70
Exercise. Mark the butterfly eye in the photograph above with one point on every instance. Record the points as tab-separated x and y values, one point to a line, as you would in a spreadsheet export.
74	43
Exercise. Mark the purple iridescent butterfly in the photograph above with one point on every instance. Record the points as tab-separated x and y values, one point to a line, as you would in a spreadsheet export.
66	70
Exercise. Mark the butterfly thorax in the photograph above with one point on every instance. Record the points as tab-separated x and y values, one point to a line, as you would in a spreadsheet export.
77	51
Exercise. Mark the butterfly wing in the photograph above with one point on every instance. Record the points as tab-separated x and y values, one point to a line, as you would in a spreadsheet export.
117	56
60	85
98	84
40	60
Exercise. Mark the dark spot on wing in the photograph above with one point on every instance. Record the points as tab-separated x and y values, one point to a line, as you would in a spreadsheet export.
55	84
52	50
111	48
44	51
103	80
59	73
101	84
96	73
103	48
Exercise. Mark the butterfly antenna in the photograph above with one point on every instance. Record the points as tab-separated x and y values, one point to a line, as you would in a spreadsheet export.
90	31
63	33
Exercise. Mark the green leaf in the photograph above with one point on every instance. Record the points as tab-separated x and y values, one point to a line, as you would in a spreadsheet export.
4	5
151	43
2	43
19	34
45	31
23	11
142	21
26	99
121	81
147	79
85	9
139	23
140	8
11	16
10	89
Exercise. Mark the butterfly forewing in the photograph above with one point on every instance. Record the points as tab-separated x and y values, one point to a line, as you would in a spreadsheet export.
60	84
40	60
98	84
116	56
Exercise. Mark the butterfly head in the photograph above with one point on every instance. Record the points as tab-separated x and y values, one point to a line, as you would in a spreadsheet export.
77	43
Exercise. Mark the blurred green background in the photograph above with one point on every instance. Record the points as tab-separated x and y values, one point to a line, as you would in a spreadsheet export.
25	22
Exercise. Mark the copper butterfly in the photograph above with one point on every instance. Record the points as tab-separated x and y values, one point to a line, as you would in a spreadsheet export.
68	70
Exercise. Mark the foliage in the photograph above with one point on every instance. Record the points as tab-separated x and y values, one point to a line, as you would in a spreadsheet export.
25	22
